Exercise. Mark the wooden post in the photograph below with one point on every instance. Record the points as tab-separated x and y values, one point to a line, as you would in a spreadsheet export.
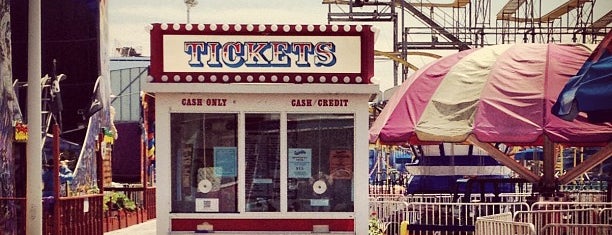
56	180
143	164
144	161
548	183
99	162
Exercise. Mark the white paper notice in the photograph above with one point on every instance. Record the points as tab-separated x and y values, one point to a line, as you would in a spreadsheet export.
207	205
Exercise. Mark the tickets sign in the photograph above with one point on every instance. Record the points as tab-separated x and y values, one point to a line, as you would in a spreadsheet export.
183	53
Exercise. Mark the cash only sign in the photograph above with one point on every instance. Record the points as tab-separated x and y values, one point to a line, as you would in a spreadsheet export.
214	53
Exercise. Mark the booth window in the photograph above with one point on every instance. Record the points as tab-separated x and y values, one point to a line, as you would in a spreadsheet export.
204	162
262	174
320	162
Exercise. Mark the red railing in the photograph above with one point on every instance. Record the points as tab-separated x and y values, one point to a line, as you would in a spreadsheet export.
150	203
80	215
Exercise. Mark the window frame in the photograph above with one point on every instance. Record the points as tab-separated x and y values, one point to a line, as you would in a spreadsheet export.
241	164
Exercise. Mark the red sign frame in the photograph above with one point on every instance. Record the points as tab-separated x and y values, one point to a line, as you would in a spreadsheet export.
364	32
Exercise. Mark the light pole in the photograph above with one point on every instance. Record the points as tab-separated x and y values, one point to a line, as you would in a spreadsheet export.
190	4
34	210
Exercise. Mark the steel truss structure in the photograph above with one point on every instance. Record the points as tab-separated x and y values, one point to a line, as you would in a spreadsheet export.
464	24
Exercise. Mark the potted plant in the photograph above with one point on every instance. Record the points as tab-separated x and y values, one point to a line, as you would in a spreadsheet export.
118	201
118	205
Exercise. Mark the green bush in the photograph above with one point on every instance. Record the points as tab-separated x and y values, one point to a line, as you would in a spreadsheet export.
374	225
118	201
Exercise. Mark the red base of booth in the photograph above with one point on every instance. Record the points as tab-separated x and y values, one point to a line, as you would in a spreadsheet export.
335	225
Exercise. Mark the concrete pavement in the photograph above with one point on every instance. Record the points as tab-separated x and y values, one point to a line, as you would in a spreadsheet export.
146	228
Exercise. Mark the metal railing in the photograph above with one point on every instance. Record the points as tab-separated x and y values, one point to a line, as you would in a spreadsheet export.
438	214
552	205
455	218
576	229
427	215
389	215
539	218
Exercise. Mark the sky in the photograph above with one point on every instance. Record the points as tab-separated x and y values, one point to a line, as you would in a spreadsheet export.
130	31
127	20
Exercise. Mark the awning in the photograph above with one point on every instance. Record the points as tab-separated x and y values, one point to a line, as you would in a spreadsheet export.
497	94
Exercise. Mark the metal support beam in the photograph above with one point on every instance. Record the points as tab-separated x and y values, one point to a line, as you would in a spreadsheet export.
505	160
588	164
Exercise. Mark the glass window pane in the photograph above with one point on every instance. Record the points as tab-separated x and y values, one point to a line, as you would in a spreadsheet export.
262	162
320	162
204	162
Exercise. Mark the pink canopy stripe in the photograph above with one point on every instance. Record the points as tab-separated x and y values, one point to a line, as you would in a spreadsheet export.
563	63
397	121
512	101
449	115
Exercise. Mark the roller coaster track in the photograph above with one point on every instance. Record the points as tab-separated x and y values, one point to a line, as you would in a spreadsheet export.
508	12
599	24
509	9
603	21
456	3
352	2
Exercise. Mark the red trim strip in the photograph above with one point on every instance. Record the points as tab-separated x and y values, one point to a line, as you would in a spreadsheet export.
335	225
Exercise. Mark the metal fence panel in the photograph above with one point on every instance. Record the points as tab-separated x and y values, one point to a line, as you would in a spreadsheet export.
576	229
502	224
454	218
539	218
551	205
389	215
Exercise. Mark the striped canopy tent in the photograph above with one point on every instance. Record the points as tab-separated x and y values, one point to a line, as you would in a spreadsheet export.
496	94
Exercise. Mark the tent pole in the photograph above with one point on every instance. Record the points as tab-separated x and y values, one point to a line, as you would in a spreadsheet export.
505	160
588	164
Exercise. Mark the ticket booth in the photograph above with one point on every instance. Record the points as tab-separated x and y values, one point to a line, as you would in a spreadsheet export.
261	128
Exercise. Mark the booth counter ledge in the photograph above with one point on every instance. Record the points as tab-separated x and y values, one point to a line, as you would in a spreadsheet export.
262	232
